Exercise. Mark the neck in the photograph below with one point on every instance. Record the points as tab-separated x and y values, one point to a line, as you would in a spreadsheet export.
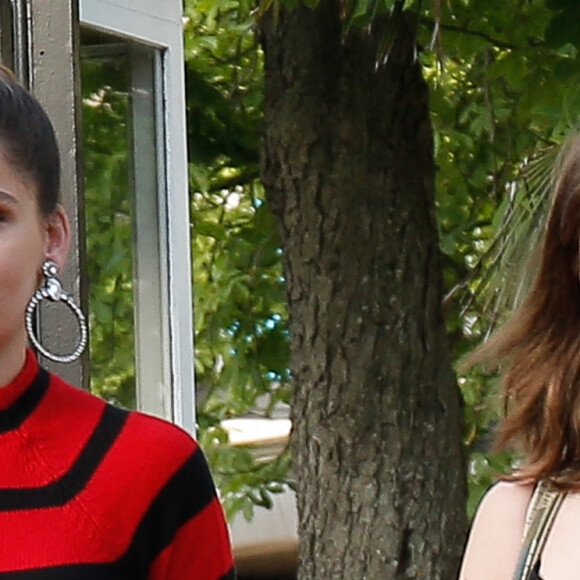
12	358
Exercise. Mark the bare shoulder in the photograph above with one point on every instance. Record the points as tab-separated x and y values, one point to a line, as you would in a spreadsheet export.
496	535
506	499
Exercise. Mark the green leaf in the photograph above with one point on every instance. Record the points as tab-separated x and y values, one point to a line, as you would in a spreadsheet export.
563	28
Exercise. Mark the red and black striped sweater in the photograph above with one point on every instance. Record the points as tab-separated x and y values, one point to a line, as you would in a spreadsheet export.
92	492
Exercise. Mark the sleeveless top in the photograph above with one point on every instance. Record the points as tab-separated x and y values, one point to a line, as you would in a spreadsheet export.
536	573
542	510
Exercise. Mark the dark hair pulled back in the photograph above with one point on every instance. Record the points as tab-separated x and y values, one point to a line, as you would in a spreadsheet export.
27	140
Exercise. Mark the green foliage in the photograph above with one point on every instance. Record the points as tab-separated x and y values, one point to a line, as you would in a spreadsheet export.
241	335
109	228
245	482
502	98
499	112
242	341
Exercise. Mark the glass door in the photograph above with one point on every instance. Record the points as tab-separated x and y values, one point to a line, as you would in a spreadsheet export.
136	206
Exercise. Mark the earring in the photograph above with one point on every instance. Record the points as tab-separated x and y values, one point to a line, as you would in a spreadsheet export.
52	290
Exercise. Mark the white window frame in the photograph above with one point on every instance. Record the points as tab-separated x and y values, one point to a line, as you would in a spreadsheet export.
164	350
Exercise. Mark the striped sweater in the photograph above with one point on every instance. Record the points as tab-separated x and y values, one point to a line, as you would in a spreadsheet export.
92	492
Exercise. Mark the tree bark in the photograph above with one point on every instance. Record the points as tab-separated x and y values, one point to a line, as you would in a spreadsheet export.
349	173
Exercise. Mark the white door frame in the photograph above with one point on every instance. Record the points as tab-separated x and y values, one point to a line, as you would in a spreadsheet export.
164	349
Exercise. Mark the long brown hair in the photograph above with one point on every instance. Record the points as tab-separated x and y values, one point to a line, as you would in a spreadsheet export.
541	346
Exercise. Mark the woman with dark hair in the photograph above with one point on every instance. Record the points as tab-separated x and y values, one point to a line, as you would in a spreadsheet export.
527	525
87	491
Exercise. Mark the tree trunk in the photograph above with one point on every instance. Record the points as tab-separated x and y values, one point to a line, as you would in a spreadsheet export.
349	172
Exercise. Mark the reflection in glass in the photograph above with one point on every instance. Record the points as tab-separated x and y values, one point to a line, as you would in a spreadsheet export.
106	129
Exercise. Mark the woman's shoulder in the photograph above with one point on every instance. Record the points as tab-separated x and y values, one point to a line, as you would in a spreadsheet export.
505	499
501	515
499	521
151	439
160	433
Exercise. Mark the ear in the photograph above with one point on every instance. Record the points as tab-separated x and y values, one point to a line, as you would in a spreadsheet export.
57	237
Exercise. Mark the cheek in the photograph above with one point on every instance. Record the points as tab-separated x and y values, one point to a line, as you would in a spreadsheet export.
19	280
20	269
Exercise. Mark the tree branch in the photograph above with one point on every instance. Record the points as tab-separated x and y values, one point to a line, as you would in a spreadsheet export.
470	32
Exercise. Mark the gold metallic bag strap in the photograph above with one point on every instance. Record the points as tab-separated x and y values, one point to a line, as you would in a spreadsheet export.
544	506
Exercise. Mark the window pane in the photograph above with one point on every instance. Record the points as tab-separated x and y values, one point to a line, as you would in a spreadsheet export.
109	221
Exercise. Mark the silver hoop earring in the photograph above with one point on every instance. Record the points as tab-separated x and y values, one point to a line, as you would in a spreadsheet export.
52	290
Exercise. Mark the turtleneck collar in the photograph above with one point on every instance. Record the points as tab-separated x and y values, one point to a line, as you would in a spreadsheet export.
18	385
21	396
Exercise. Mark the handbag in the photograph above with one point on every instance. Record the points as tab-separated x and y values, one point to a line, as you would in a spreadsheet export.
542	509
